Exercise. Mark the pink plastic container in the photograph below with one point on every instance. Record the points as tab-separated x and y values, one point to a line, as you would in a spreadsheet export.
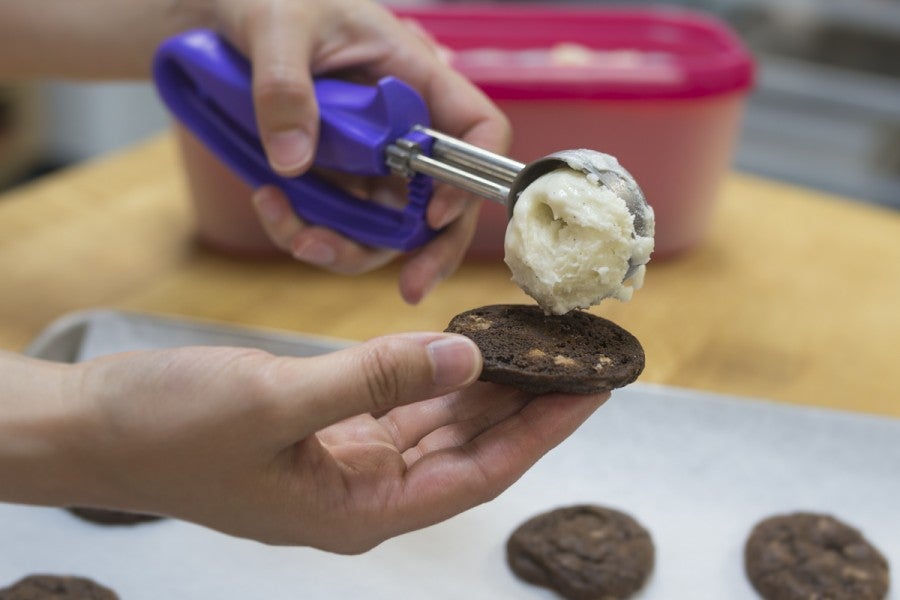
661	89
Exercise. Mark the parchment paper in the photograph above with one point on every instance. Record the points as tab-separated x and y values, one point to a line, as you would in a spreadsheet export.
698	470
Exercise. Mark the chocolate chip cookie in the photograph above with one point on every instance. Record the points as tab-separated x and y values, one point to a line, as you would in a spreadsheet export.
574	353
102	516
807	555
583	552
56	587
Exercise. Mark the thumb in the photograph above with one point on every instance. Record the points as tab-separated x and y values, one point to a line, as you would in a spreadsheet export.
283	95
386	372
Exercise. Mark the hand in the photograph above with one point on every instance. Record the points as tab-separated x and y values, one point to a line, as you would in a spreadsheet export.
290	41
338	452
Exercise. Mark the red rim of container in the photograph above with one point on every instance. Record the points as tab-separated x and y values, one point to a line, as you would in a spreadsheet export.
704	56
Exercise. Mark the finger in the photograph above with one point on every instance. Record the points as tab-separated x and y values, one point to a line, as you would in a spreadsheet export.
314	245
355	430
451	435
409	424
286	110
446	205
456	106
446	483
276	215
328	249
481	124
438	259
428	40
379	375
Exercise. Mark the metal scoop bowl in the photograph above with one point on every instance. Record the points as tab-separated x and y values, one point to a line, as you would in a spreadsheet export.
503	179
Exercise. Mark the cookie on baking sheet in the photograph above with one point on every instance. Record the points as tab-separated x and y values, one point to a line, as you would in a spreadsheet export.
103	516
583	552
575	353
56	587
807	555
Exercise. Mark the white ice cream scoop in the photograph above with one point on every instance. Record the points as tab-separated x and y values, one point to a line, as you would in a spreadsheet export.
503	179
598	168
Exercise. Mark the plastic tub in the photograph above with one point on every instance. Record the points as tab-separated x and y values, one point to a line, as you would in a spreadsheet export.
661	89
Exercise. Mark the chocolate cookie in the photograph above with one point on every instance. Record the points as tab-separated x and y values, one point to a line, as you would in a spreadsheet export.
807	555
575	353
583	552
103	516
56	587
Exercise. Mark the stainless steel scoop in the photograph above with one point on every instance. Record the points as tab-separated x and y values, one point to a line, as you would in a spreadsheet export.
503	179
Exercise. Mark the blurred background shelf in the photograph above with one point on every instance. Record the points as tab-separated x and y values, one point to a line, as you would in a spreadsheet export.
825	127
826	112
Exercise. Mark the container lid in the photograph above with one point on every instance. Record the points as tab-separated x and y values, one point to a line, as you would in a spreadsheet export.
589	53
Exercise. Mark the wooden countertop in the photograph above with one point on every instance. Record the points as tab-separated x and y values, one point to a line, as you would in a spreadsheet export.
794	296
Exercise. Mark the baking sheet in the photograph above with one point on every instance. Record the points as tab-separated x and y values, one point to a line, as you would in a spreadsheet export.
698	470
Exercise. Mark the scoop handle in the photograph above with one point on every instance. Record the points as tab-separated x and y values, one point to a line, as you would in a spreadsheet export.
206	84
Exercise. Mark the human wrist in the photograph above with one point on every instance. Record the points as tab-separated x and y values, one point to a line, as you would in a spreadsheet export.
42	418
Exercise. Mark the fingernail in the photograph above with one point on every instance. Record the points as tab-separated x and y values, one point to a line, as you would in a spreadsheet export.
289	150
315	253
456	360
270	209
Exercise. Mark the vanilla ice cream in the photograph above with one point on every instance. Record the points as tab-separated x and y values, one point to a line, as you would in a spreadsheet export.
571	241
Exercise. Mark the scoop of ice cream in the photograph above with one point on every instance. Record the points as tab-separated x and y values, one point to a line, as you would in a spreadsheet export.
571	241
